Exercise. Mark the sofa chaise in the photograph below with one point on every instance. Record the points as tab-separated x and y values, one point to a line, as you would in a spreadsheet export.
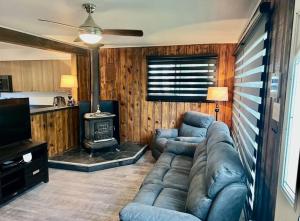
193	182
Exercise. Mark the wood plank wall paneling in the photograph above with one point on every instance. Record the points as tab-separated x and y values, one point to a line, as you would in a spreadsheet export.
58	128
84	77
281	27
37	75
124	78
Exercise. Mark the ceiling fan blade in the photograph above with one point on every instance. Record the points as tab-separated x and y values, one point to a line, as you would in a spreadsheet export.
124	32
58	23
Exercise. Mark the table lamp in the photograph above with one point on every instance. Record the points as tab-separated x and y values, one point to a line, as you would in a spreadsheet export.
217	94
69	81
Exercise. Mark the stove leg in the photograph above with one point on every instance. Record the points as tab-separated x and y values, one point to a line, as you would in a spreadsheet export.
117	148
91	154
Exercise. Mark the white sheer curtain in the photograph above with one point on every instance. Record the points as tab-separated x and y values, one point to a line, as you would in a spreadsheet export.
293	137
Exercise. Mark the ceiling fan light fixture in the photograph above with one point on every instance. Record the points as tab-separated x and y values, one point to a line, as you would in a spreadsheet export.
90	38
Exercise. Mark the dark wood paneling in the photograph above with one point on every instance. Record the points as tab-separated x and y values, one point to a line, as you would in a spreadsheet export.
58	128
281	25
84	77
124	78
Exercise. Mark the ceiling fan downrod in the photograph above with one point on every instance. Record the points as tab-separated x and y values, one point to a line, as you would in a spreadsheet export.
89	7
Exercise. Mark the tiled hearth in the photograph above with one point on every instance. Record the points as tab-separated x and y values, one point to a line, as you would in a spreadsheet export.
79	159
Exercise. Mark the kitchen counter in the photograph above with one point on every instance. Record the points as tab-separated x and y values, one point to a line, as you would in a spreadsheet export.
58	126
38	109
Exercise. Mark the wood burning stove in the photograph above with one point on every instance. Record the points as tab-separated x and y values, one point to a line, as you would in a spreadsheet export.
99	130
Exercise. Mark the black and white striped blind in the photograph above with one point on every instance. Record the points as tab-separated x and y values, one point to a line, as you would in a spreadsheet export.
250	80
183	78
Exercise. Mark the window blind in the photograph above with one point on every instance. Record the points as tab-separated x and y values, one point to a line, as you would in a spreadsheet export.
249	88
180	78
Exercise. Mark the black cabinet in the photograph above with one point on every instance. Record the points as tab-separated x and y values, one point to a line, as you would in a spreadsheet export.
17	176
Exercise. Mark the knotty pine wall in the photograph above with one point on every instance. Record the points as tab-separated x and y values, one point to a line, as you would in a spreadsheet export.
83	68
59	128
124	78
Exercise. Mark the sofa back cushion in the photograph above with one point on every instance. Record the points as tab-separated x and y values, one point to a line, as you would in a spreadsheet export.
197	119
197	202
194	140
217	127
223	168
191	131
219	138
200	149
198	166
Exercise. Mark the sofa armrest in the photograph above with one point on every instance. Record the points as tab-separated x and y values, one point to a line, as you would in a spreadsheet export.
141	212
181	148
166	133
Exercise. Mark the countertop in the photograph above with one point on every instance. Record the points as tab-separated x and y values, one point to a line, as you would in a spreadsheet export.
38	109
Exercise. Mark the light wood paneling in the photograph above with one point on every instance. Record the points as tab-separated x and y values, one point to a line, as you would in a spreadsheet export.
123	78
58	128
42	75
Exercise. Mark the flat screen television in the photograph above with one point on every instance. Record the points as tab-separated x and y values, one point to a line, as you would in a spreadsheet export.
14	120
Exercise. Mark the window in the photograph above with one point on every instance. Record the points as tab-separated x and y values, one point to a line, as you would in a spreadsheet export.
292	141
180	78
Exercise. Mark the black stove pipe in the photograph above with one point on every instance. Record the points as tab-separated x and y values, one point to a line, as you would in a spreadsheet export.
95	79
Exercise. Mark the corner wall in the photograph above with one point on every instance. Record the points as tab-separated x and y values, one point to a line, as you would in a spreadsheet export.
124	78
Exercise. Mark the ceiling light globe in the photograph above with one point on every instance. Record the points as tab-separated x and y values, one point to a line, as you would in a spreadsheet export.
90	38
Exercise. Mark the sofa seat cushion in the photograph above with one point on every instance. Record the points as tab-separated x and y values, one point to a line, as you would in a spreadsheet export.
174	161
191	131
168	177
160	196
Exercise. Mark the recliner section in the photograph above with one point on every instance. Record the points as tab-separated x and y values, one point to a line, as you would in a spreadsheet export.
192	130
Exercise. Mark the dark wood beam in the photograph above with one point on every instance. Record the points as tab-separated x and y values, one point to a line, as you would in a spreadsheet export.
20	38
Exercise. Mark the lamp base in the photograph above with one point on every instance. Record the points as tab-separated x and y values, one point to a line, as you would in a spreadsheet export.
217	110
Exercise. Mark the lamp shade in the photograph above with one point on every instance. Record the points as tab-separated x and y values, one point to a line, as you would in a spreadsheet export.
217	94
68	81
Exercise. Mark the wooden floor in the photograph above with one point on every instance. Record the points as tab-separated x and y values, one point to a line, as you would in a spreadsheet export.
77	196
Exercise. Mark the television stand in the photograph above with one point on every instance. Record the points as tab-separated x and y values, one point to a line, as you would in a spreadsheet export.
17	176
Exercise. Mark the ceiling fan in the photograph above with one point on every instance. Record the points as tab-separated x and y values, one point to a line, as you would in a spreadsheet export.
90	33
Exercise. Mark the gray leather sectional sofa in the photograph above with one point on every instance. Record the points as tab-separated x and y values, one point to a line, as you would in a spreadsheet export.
193	182
192	130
